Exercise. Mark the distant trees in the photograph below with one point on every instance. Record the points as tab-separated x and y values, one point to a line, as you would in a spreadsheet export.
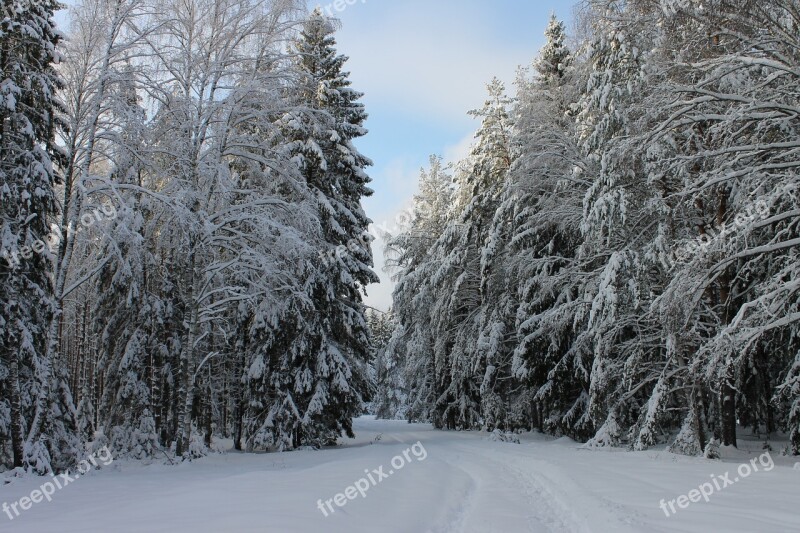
623	272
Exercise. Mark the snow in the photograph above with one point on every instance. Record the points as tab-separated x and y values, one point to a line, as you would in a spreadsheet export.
465	481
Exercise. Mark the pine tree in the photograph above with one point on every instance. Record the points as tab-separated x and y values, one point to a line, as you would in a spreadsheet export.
540	223
330	378
554	58
456	270
493	157
35	392
412	384
126	309
381	326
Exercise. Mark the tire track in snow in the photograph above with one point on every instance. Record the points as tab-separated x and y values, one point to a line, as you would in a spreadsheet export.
550	509
455	517
580	511
558	504
480	512
510	489
544	509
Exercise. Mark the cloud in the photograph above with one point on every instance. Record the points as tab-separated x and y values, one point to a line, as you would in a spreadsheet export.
388	211
427	59
399	181
456	152
379	295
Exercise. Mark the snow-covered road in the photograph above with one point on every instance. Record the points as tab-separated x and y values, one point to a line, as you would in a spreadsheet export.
447	482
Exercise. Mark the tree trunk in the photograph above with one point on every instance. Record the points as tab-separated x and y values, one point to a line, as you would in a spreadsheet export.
728	405
239	424
728	387
186	372
208	416
699	413
17	430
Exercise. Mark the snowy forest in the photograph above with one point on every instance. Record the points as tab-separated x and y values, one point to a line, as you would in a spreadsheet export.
185	253
616	260
173	175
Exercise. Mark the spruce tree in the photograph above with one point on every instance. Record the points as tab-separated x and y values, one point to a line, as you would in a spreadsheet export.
34	389
465	370
532	242
554	58
127	311
408	380
331	379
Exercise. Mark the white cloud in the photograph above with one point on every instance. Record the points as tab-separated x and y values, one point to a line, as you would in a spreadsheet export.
428	60
456	152
391	205
379	295
400	180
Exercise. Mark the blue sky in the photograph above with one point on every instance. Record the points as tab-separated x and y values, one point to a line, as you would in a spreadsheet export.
422	65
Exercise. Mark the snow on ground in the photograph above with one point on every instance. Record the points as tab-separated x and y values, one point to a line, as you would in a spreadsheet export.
449	482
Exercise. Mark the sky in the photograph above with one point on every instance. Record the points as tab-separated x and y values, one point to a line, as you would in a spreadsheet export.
422	65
